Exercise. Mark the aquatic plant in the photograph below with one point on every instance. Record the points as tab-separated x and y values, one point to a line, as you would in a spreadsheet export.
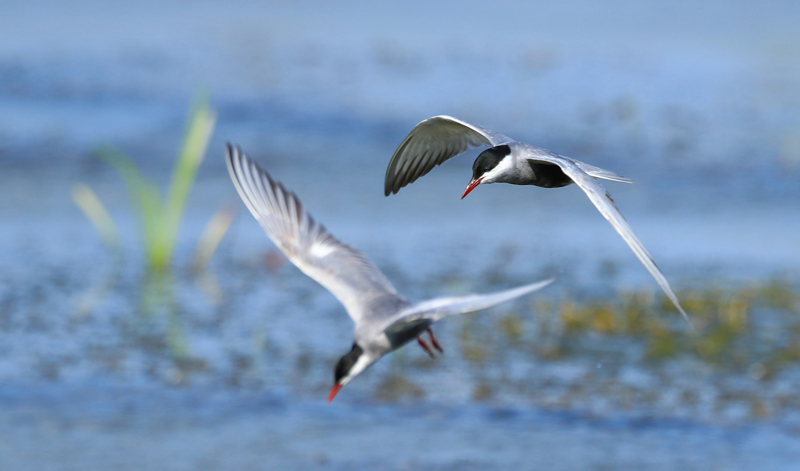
97	214
724	317
160	220
511	325
396	386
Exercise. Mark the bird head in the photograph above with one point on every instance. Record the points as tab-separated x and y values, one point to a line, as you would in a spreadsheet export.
350	366
487	167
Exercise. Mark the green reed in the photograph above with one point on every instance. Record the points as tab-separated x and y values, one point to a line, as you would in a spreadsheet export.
159	220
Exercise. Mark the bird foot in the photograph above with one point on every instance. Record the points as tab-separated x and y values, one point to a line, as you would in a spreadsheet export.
434	342
425	346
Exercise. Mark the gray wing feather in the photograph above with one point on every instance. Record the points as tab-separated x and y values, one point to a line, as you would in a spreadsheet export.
347	273
436	309
598	172
603	202
430	143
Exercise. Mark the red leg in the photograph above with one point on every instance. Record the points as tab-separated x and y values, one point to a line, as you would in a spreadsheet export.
434	342
424	346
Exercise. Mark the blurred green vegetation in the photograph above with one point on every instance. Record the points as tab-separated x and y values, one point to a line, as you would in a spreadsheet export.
159	221
757	324
630	351
728	334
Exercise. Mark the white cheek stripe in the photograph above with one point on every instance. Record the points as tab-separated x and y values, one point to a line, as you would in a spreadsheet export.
505	166
360	365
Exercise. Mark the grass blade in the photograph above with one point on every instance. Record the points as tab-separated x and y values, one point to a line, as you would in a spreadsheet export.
198	133
145	196
96	212
212	235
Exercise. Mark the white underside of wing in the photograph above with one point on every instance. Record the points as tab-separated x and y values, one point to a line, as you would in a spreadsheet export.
436	309
347	273
603	202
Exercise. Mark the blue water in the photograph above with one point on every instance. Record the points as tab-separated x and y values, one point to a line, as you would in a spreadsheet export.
697	102
178	430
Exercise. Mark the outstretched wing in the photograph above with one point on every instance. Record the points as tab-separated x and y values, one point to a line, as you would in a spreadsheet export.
344	271
430	143
436	309
598	172
603	202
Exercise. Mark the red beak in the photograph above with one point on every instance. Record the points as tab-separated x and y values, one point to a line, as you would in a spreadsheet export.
335	389
472	184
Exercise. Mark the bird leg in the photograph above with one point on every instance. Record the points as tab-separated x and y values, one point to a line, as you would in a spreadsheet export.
434	342
424	346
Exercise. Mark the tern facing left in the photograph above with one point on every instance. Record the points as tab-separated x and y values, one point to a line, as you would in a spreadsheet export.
384	320
440	138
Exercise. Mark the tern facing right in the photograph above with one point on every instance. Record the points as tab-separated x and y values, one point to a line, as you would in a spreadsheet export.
384	320
440	138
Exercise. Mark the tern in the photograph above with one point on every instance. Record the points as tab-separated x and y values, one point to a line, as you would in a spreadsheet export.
384	320
437	139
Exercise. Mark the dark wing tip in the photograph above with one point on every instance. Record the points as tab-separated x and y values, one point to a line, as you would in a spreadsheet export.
232	151
390	185
235	153
230	155
387	186
387	182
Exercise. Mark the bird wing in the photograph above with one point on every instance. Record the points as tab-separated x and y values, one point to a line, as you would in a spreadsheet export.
430	143
436	309
603	202
344	271
598	172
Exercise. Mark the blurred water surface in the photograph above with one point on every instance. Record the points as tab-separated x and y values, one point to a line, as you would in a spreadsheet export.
696	101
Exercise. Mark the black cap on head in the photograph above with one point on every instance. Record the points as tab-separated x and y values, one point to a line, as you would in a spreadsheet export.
488	160
347	362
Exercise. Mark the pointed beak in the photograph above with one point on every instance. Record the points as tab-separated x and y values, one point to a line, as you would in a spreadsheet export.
472	184
334	390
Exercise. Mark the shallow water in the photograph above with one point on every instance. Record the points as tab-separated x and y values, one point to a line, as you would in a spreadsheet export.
702	116
133	429
251	391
